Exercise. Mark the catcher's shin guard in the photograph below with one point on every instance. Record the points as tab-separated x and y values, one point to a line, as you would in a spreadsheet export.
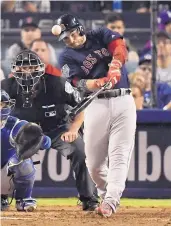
23	176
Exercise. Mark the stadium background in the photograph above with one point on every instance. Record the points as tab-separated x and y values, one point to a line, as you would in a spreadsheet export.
149	175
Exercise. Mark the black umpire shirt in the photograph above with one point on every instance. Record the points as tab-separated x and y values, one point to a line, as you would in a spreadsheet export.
49	105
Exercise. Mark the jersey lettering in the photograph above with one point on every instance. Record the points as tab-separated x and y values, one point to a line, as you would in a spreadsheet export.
87	64
98	52
90	61
85	70
105	52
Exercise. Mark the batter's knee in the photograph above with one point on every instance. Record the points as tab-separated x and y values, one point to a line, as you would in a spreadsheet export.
96	168
93	170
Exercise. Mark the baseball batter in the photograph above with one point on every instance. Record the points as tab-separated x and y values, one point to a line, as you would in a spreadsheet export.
89	61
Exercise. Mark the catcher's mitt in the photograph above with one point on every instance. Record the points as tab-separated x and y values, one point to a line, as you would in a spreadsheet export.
28	141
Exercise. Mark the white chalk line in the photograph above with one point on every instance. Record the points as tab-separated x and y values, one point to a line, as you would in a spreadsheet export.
16	218
26	218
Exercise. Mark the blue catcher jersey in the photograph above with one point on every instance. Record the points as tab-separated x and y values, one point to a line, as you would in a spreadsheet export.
91	61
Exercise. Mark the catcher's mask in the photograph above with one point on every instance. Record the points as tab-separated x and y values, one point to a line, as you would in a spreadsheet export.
7	105
27	70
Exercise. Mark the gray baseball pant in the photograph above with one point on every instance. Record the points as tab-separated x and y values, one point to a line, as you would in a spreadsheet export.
109	135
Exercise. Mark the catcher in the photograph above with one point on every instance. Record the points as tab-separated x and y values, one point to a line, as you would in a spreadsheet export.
20	141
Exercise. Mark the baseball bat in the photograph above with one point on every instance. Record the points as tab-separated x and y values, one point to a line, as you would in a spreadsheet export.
86	101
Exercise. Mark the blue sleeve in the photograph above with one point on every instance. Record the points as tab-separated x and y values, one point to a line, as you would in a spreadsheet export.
105	35
164	94
16	128
46	144
68	67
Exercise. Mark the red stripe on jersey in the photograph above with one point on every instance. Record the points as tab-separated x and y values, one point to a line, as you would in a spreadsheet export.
118	49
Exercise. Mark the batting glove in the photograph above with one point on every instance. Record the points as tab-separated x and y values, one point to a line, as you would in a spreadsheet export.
114	73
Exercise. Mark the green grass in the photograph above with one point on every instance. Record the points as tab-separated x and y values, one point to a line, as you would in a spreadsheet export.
146	202
124	202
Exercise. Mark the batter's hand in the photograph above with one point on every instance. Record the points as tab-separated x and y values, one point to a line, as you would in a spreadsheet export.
69	136
94	84
101	82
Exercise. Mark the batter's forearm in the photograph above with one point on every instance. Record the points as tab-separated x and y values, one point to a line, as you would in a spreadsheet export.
88	84
78	121
91	84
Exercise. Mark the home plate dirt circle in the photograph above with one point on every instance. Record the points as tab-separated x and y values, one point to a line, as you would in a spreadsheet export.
74	216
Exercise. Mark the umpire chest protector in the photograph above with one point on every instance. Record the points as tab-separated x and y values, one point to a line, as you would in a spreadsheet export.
49	103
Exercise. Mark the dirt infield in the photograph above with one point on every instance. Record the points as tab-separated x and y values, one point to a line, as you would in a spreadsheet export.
73	216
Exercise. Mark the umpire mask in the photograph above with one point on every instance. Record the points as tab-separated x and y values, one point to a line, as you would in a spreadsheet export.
27	70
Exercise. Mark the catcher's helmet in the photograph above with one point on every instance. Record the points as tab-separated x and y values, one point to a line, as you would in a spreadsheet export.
7	105
69	23
27	68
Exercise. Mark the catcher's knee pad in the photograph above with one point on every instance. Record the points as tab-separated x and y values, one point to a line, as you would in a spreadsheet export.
23	176
28	205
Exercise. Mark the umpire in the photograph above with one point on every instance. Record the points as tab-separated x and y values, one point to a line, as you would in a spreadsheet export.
43	98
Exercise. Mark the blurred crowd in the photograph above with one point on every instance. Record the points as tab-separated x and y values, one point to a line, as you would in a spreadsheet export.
81	6
139	64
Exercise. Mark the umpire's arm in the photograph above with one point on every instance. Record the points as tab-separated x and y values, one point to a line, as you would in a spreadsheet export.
72	97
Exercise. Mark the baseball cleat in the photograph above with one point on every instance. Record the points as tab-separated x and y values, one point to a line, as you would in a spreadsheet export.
90	204
26	205
104	209
4	203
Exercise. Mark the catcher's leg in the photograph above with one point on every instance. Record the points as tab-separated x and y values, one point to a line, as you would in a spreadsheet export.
85	186
23	176
7	187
